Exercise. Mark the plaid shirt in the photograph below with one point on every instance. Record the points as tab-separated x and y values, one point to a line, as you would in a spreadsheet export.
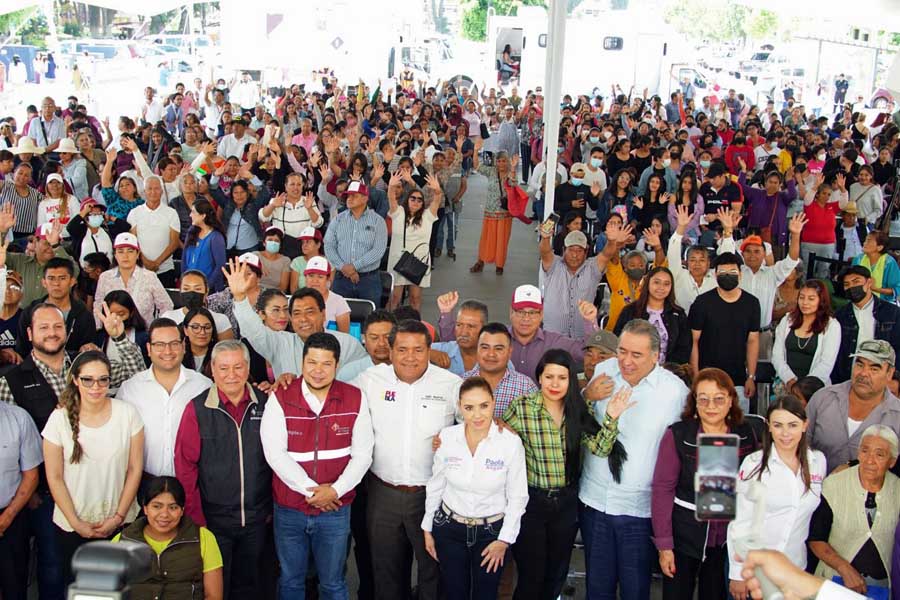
512	386
545	443
130	362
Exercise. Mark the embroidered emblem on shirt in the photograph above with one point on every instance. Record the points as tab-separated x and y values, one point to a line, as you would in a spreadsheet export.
338	430
390	396
494	465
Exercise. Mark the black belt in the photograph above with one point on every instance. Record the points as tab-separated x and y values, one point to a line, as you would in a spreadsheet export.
552	492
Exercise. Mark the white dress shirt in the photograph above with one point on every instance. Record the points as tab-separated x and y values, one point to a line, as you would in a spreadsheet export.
292	219
832	591
273	433
161	413
405	418
490	482
789	506
865	319
686	288
155	111
233	146
660	398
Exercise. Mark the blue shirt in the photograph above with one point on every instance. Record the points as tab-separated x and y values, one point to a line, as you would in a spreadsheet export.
660	398
457	367
241	235
360	242
20	449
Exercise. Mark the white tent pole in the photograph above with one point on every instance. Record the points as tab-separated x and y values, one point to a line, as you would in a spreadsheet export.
556	44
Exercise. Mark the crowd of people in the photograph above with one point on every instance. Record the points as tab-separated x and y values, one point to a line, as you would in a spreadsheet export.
181	369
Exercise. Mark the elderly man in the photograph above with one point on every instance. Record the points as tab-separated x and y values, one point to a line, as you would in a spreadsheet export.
234	143
494	352
574	196
158	230
838	414
20	455
599	347
220	462
46	129
572	278
852	530
696	279
410	401
865	317
354	243
47	246
615	517
471	317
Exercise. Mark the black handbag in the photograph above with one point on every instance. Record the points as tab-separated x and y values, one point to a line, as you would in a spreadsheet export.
485	134
408	265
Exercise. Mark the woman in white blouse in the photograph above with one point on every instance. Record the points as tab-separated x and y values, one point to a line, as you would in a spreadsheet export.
93	453
807	339
478	491
791	475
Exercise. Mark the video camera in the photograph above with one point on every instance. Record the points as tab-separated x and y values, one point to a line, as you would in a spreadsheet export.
105	570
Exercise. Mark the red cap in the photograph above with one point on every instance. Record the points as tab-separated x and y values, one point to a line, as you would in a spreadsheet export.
356	187
752	240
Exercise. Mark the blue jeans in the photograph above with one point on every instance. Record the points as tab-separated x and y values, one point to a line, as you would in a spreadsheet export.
447	221
459	550
326	535
617	553
368	288
49	558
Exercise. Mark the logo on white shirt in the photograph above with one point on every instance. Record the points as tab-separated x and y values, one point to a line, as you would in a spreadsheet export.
390	396
494	465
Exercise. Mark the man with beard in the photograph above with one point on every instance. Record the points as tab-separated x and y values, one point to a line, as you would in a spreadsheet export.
35	384
839	414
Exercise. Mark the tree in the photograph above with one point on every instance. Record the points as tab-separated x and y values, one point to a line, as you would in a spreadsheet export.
474	20
763	24
709	19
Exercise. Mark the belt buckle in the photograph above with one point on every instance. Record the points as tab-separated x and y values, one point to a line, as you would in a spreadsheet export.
471	522
553	493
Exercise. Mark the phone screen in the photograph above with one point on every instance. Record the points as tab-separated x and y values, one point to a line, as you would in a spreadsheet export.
715	483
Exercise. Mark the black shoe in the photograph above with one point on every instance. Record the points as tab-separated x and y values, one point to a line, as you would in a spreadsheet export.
437	252
451	255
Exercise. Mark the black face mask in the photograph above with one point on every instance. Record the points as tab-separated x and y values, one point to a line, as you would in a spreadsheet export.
192	300
727	281
855	293
801	168
739	141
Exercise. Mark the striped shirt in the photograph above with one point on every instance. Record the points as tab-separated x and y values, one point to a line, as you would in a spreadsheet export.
545	443
562	292
360	242
26	208
512	386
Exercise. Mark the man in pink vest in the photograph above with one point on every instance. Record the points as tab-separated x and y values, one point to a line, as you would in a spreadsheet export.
317	437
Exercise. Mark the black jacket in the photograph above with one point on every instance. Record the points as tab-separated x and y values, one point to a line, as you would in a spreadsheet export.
78	229
81	328
567	193
678	349
887	327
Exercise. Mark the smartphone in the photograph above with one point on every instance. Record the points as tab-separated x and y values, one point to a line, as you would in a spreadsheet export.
715	482
551	223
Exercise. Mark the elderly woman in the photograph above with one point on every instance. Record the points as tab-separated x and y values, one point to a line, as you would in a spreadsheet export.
497	223
852	530
883	266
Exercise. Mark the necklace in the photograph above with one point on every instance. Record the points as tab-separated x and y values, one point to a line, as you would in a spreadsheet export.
805	343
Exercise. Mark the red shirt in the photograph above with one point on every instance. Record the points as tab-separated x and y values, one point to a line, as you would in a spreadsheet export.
820	228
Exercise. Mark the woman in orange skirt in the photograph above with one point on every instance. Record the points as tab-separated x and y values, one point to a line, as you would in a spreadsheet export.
497	223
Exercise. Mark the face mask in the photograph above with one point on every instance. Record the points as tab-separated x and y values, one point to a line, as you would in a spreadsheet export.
596	162
95	220
607	134
273	246
821	156
727	281
192	300
634	274
705	163
594	139
855	293
801	168
577	181
774	145
667	162
675	156
407	124
739	141
560	150
623	137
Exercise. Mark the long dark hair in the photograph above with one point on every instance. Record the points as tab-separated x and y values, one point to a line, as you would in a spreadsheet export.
679	193
413	218
124	299
823	312
205	208
579	421
188	361
794	406
640	305
659	192
70	398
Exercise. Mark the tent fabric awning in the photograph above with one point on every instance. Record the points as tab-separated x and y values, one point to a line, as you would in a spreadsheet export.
145	7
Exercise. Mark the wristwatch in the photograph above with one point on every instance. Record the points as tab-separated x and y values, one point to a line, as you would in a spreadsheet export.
752	376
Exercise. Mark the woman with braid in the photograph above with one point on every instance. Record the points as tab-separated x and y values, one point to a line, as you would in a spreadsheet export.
93	454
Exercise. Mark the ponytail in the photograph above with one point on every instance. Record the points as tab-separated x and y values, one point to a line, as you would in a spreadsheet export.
70	397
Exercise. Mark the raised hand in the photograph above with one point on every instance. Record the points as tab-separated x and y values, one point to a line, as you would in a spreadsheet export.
308	201
595	188
741	163
638	202
433	183
619	403
840	181
684	218
7	217
447	302
55	232
377	172
279	200
111	154
651	238
396	179
796	224
588	311
111	321
237	274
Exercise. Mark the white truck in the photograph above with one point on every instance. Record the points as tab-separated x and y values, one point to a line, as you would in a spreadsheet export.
615	47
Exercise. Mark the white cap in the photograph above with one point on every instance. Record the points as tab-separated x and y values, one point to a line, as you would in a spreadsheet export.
54	177
251	259
527	296
318	265
126	240
309	233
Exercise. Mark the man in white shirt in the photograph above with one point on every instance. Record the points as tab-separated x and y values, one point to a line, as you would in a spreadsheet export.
410	401
316	427
160	394
47	130
756	277
152	110
616	515
244	94
214	110
234	143
696	279
157	229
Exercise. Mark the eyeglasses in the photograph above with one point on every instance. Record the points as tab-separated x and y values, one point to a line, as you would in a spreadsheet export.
528	314
161	346
90	382
15	288
198	328
419	198
718	401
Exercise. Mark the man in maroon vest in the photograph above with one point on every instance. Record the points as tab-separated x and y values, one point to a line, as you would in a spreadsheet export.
317	437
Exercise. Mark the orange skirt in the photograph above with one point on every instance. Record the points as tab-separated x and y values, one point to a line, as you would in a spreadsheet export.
494	241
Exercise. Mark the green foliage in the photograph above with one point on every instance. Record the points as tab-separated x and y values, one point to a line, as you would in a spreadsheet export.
73	28
720	20
15	19
763	24
474	20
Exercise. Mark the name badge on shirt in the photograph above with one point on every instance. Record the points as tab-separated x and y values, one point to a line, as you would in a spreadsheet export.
430	400
494	465
453	462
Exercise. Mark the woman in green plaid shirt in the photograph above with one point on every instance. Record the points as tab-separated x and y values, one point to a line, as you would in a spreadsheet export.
553	424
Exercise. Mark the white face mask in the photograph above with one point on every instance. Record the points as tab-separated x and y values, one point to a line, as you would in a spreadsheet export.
821	156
